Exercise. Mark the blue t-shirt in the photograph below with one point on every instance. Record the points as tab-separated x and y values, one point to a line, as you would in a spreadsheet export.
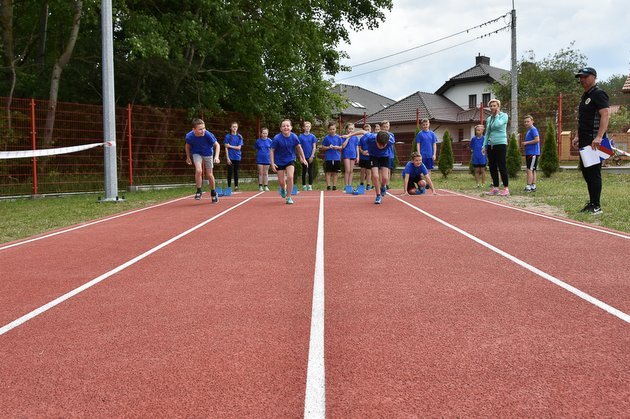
476	145
235	140
262	151
373	149
532	149
426	139
284	148
203	145
391	149
414	171
363	147
350	151
332	140
308	143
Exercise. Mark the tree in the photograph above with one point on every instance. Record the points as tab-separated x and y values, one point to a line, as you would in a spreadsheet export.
446	159
541	82
513	159
549	162
252	56
58	67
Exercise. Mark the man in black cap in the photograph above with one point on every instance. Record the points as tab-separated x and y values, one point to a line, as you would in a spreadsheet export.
593	119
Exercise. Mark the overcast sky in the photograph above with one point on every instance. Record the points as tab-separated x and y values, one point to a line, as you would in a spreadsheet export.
600	29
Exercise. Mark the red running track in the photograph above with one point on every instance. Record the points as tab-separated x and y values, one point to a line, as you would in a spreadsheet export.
420	320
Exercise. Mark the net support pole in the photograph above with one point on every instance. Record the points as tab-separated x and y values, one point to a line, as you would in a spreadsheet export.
34	146
109	111
514	74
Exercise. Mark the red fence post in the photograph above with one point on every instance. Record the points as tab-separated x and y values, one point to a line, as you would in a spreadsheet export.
34	145
558	134
480	114
129	142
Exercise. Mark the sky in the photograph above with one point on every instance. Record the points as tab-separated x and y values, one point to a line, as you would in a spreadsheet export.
599	29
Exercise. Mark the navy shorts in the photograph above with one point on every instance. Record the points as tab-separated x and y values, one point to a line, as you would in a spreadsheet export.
379	161
284	167
428	162
531	161
332	166
365	164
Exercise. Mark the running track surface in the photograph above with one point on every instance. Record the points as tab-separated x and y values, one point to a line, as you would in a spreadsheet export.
429	306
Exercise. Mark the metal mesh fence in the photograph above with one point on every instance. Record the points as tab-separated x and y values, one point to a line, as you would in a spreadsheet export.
150	145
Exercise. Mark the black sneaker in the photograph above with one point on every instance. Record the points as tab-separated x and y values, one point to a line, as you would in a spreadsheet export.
198	195
215	199
334	188
327	188
587	207
595	210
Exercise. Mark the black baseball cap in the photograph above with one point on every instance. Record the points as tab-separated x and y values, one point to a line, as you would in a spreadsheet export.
585	71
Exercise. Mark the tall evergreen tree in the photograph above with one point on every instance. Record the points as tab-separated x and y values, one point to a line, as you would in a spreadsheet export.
549	161
446	159
513	160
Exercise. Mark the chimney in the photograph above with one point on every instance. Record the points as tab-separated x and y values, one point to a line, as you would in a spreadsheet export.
480	59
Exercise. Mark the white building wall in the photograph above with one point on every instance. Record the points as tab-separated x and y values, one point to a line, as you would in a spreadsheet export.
459	93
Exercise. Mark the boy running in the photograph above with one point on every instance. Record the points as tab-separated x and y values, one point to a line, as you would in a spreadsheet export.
202	144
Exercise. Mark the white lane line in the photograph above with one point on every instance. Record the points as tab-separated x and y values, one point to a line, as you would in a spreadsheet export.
17	322
89	224
560	220
315	399
608	308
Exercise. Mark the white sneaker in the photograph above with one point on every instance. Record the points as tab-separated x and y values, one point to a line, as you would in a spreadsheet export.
260	188
266	188
310	187
303	187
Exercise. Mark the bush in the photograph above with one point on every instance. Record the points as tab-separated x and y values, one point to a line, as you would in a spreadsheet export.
514	159
445	159
549	161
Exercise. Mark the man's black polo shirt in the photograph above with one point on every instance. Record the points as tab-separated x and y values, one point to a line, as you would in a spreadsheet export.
588	118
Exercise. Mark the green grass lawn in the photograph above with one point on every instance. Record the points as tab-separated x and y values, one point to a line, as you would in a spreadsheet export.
563	194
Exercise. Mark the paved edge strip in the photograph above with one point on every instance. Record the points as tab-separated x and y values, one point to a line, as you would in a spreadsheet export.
581	294
17	322
315	398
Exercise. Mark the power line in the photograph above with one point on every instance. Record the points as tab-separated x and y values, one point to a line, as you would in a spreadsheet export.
432	42
426	55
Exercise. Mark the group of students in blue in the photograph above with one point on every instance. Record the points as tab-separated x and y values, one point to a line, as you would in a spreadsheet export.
373	151
480	149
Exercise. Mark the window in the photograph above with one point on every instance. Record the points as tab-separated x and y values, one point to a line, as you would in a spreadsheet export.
485	98
472	101
357	105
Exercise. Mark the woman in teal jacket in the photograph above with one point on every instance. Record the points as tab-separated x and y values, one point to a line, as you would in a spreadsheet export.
495	147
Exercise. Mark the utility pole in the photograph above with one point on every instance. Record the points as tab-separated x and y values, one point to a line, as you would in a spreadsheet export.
109	110
514	71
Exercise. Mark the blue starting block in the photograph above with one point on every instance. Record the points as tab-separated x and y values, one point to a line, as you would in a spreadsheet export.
360	190
294	191
348	189
227	192
219	191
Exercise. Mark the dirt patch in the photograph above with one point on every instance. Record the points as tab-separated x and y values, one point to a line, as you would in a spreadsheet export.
524	202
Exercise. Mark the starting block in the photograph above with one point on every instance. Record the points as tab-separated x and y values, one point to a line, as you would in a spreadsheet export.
227	192
360	190
219	191
348	189
294	191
